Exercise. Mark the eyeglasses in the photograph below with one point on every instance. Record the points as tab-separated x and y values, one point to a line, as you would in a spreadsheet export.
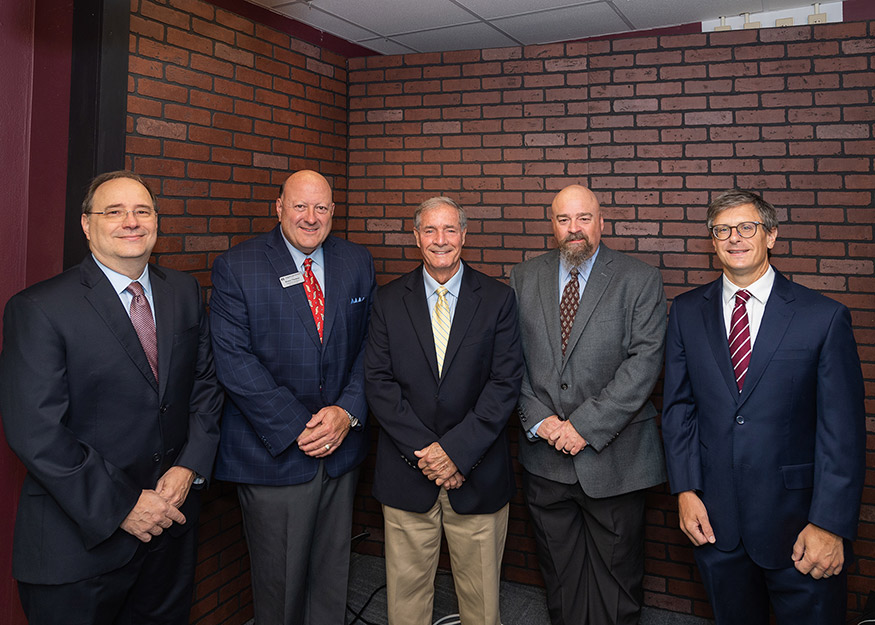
746	229
119	215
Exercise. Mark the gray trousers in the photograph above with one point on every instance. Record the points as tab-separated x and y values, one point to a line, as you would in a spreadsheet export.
299	545
590	551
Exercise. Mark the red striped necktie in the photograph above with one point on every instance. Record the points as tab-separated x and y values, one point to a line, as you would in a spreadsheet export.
739	338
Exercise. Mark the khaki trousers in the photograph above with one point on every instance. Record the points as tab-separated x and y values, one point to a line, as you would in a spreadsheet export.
413	542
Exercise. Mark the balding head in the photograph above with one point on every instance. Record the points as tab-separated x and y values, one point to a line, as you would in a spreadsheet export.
577	223
304	209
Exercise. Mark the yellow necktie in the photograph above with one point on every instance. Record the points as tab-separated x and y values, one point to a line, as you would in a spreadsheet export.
440	325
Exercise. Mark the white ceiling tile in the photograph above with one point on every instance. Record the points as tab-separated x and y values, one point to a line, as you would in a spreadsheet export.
323	21
660	13
563	24
467	37
491	9
385	46
387	17
387	26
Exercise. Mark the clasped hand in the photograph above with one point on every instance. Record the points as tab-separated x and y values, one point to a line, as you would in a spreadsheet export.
156	510
437	466
561	435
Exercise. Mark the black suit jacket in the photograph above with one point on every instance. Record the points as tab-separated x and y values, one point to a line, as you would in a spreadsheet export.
83	412
465	410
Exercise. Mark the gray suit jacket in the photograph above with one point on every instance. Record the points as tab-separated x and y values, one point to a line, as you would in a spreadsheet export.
603	383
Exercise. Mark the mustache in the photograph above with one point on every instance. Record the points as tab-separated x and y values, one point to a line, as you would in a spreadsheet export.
575	236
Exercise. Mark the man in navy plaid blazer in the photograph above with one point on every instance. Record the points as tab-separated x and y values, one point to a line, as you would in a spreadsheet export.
292	432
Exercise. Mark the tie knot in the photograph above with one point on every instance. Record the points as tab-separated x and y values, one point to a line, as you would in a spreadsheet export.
573	273
742	295
441	291
308	263
135	288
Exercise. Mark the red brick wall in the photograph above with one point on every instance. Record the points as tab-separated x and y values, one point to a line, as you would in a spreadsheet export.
655	126
222	107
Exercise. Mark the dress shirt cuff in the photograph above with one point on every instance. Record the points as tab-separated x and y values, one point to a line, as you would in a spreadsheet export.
532	432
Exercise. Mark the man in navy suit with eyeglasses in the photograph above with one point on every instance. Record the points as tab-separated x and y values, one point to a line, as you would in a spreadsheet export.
763	421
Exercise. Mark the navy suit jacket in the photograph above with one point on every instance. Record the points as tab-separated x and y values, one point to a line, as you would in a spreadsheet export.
276	371
787	450
465	410
83	412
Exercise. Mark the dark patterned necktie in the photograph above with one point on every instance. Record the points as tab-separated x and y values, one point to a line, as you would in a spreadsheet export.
144	325
314	295
568	307
739	338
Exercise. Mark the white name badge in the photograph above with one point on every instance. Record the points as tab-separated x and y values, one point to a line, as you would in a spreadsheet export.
291	280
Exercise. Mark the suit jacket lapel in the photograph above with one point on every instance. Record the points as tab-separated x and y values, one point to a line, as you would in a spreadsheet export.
548	289
162	295
282	263
333	289
599	279
417	308
106	303
715	330
776	320
466	308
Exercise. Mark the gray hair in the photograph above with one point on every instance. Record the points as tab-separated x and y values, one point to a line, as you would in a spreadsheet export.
434	202
738	197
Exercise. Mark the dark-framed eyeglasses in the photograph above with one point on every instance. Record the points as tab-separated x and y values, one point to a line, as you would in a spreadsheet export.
746	229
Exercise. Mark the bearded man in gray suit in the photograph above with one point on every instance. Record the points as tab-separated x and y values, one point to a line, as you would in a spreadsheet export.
593	324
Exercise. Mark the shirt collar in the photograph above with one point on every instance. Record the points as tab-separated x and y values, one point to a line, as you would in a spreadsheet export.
759	290
120	282
452	285
299	257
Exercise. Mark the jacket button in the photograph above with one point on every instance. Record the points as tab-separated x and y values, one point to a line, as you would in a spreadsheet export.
564	386
739	420
156	457
163	409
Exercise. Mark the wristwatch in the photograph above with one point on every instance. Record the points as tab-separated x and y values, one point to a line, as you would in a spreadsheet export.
353	422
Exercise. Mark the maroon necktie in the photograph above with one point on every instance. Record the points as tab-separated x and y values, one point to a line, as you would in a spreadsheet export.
141	318
314	295
568	307
739	338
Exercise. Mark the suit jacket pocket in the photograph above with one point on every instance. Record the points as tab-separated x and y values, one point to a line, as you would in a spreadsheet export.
798	476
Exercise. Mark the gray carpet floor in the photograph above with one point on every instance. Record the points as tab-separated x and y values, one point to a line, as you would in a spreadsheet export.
520	604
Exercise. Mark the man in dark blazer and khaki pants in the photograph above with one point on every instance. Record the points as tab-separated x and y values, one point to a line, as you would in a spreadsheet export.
593	328
764	427
443	368
115	415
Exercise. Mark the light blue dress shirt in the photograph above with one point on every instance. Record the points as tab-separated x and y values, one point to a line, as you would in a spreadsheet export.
318	265
452	285
121	282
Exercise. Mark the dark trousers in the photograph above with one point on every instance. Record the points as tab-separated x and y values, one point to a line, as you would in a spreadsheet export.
299	545
154	588
740	591
590	551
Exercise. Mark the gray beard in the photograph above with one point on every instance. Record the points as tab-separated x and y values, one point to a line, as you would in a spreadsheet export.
574	255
